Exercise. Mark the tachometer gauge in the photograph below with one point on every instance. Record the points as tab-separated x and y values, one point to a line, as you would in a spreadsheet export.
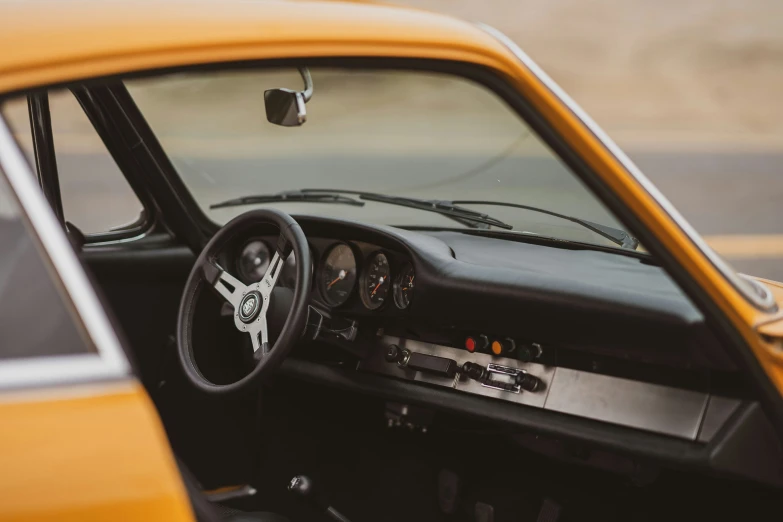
375	281
253	261
338	275
403	286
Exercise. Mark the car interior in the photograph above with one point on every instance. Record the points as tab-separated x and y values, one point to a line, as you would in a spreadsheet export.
370	352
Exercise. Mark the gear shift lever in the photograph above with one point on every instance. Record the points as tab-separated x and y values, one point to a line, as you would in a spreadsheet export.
302	486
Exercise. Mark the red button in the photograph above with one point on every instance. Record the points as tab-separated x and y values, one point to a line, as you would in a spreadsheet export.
470	344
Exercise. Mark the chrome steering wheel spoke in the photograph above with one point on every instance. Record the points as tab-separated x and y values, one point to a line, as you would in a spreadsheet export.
269	280
259	337
231	288
250	302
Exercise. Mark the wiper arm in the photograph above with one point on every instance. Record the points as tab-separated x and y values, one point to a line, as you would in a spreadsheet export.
462	215
453	210
293	196
450	209
615	235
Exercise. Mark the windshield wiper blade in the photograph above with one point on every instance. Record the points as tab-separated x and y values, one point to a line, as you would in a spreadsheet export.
292	196
452	211
457	212
615	235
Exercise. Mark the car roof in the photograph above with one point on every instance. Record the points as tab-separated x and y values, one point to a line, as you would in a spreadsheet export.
45	42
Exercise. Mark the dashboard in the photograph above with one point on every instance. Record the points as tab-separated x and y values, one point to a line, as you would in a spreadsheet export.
536	324
448	286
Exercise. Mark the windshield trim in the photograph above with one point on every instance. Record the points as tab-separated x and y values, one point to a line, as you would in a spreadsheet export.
763	300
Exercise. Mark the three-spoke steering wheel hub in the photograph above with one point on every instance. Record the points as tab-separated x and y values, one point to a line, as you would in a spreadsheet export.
249	307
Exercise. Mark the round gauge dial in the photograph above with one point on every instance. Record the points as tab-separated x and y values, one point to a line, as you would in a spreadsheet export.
376	281
338	275
254	260
403	286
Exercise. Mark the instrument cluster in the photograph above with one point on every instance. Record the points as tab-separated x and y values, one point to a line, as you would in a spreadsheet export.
379	277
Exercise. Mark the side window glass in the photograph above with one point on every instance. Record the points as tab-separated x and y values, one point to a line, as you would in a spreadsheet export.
95	195
36	319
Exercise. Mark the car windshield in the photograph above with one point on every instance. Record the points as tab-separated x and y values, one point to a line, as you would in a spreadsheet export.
411	134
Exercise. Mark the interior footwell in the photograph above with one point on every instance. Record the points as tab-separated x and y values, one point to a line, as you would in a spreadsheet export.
375	473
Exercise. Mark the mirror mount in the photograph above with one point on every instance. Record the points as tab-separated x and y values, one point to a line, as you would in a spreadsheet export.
304	72
285	107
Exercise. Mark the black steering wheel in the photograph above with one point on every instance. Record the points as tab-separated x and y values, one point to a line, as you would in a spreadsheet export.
250	302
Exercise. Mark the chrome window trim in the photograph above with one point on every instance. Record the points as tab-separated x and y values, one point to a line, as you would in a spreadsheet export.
54	370
766	303
110	361
144	232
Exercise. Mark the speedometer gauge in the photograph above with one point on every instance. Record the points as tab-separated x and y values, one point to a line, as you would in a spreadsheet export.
338	275
403	286
375	281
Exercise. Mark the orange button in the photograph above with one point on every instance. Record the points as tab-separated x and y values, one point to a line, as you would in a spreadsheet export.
497	348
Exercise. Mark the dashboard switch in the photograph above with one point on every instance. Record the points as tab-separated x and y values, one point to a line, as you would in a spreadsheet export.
395	354
528	352
528	382
503	346
473	371
477	344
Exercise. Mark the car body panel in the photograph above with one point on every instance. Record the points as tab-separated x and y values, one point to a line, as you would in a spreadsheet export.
87	453
97	39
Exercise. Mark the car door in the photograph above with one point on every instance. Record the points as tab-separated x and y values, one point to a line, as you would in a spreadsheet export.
122	236
126	235
80	439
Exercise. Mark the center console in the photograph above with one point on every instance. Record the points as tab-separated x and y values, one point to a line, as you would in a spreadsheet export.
679	412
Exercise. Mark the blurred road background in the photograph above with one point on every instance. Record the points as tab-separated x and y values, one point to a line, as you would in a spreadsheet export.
690	89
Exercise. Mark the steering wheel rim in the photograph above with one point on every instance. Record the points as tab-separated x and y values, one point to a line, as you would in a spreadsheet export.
250	302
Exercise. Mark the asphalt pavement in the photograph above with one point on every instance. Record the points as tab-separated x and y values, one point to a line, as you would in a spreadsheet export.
732	199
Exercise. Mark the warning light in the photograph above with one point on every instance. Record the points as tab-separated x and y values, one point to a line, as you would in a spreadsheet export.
497	348
470	344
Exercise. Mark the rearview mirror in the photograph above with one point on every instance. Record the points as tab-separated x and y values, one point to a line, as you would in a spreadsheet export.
286	107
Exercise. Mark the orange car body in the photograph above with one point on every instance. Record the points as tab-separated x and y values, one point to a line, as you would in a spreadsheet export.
91	452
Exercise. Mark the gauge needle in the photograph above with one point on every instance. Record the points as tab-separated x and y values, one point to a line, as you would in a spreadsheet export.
380	282
339	277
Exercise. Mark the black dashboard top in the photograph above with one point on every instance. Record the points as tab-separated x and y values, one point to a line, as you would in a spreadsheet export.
543	291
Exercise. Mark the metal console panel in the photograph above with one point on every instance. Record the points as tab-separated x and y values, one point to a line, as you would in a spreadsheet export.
652	407
634	404
377	363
